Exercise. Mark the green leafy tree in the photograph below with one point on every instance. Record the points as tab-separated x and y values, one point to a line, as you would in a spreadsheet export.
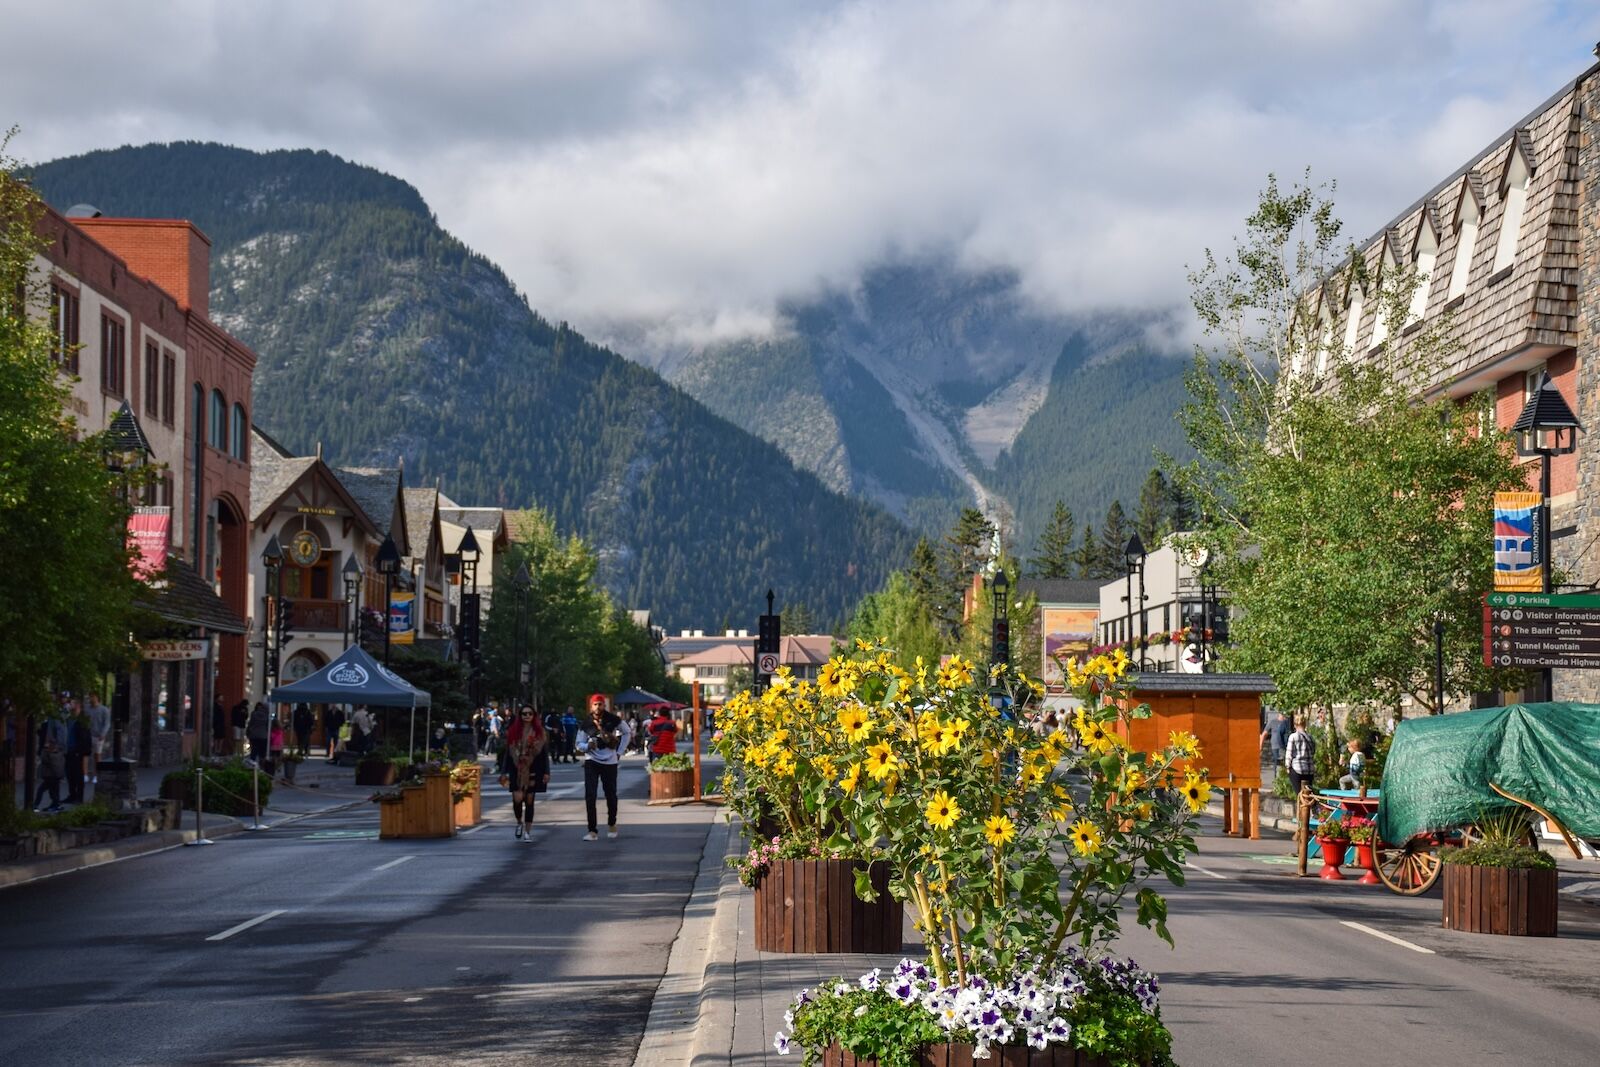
1021	612
1056	556
1345	514
63	516
898	615
966	551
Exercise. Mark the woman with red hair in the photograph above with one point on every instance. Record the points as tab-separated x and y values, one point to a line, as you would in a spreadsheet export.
524	767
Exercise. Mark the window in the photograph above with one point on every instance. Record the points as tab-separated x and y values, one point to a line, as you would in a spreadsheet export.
1324	339
219	421
169	388
1466	241
64	325
152	379
241	433
113	355
1514	194
1380	317
1530	382
1352	322
1427	254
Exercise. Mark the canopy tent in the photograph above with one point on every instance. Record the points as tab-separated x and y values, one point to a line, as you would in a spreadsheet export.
356	678
636	696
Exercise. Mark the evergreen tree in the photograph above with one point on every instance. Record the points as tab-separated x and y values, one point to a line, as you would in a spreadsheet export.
1056	556
923	574
1112	544
966	551
1154	519
797	618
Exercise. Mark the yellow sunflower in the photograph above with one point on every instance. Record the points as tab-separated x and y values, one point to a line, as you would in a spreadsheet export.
856	723
1086	838
1097	738
849	782
999	830
1196	792
881	761
1186	744
835	679
943	811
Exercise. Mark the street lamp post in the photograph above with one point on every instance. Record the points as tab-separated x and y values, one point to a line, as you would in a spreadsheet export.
127	450
388	563
271	635
471	614
1000	631
1133	558
352	598
521	583
1546	428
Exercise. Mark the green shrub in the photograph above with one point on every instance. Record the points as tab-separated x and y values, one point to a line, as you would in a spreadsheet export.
672	761
1497	854
227	789
15	821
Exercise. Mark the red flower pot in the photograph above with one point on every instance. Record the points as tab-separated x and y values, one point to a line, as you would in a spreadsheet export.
1368	862
1332	855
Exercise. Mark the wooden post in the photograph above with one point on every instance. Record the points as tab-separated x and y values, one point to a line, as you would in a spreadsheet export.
694	728
1302	833
1227	811
1255	814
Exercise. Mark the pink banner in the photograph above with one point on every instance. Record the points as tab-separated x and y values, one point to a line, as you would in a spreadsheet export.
149	532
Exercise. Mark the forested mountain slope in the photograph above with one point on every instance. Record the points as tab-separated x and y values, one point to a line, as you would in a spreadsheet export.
382	336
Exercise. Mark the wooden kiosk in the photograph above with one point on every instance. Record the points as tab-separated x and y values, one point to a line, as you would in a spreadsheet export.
1224	711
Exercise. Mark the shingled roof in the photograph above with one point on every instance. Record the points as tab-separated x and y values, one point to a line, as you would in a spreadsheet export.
375	489
184	597
420	506
272	473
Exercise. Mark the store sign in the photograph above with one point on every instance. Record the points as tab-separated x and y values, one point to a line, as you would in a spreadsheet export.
175	650
352	675
307	509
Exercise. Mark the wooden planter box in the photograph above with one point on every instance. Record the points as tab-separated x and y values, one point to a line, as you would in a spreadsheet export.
811	906
374	772
1500	900
469	810
959	1054
672	785
422	811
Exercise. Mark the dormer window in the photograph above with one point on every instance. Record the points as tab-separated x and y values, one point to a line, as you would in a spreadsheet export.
1352	321
1424	255
1467	218
1324	338
1514	195
1380	321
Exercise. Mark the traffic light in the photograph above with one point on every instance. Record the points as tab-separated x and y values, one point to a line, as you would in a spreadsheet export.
1002	640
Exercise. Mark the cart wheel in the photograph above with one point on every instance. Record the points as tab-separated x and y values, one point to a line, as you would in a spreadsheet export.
1409	869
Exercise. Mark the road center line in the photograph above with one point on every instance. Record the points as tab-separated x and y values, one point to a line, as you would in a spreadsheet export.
1203	870
245	925
1386	937
393	863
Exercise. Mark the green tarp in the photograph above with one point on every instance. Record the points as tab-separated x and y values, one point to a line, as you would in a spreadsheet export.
1439	768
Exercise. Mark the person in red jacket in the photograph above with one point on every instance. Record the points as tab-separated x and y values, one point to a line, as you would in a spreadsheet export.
663	734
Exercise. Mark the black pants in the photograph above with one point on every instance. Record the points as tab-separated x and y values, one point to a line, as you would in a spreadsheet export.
1296	780
569	745
53	787
74	779
596	775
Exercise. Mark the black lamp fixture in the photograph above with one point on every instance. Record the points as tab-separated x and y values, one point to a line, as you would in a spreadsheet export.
1546	428
388	564
1133	557
471	613
1000	634
126	449
352	597
271	639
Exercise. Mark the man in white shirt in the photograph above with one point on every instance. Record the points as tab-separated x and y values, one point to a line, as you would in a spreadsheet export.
602	738
99	729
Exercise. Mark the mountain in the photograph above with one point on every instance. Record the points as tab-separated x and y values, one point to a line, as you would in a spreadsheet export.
928	386
381	335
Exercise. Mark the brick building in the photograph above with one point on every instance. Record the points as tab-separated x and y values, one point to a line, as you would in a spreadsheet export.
1509	246
128	303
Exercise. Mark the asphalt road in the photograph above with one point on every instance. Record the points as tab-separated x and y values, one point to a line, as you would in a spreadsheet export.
479	949
1268	970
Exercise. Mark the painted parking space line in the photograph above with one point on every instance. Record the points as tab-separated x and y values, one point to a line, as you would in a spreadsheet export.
1364	928
242	927
393	863
1204	870
475	829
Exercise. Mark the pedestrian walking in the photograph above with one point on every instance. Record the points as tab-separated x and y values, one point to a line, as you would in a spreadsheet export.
80	746
239	719
1275	738
332	728
304	721
219	728
275	744
569	735
257	730
361	729
524	767
663	732
99	732
603	740
52	757
1300	758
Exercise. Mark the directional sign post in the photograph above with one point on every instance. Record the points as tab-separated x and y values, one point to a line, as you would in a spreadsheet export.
1545	630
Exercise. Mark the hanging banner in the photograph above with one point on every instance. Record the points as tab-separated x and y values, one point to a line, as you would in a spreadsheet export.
1518	554
149	535
402	618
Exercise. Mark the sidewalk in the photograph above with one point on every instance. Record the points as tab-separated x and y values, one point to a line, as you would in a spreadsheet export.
319	787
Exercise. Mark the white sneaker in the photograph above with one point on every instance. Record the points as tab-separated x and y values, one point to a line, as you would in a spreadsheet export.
519	831
591	836
527	834
611	832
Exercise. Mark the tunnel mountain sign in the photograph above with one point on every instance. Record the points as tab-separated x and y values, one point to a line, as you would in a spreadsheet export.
1541	630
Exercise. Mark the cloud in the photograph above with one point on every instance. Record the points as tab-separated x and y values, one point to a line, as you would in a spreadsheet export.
678	170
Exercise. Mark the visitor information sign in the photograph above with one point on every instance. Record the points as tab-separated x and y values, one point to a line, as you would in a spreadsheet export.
1541	630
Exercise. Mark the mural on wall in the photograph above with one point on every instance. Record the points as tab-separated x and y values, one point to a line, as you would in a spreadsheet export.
1067	633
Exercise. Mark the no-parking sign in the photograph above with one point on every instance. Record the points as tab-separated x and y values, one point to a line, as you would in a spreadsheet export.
767	663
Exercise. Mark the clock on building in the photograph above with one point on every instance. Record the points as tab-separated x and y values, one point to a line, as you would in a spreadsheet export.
304	548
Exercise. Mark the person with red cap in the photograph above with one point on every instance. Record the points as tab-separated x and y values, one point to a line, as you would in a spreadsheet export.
602	739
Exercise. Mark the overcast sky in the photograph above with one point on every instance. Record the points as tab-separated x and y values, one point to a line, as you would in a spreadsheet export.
693	164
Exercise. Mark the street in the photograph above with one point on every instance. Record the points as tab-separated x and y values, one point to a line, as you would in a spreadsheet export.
477	949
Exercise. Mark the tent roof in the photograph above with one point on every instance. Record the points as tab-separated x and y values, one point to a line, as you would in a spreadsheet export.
637	696
353	678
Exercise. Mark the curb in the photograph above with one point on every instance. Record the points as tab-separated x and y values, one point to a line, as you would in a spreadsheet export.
78	859
694	1000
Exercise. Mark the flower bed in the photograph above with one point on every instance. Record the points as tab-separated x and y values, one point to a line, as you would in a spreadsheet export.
1013	871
